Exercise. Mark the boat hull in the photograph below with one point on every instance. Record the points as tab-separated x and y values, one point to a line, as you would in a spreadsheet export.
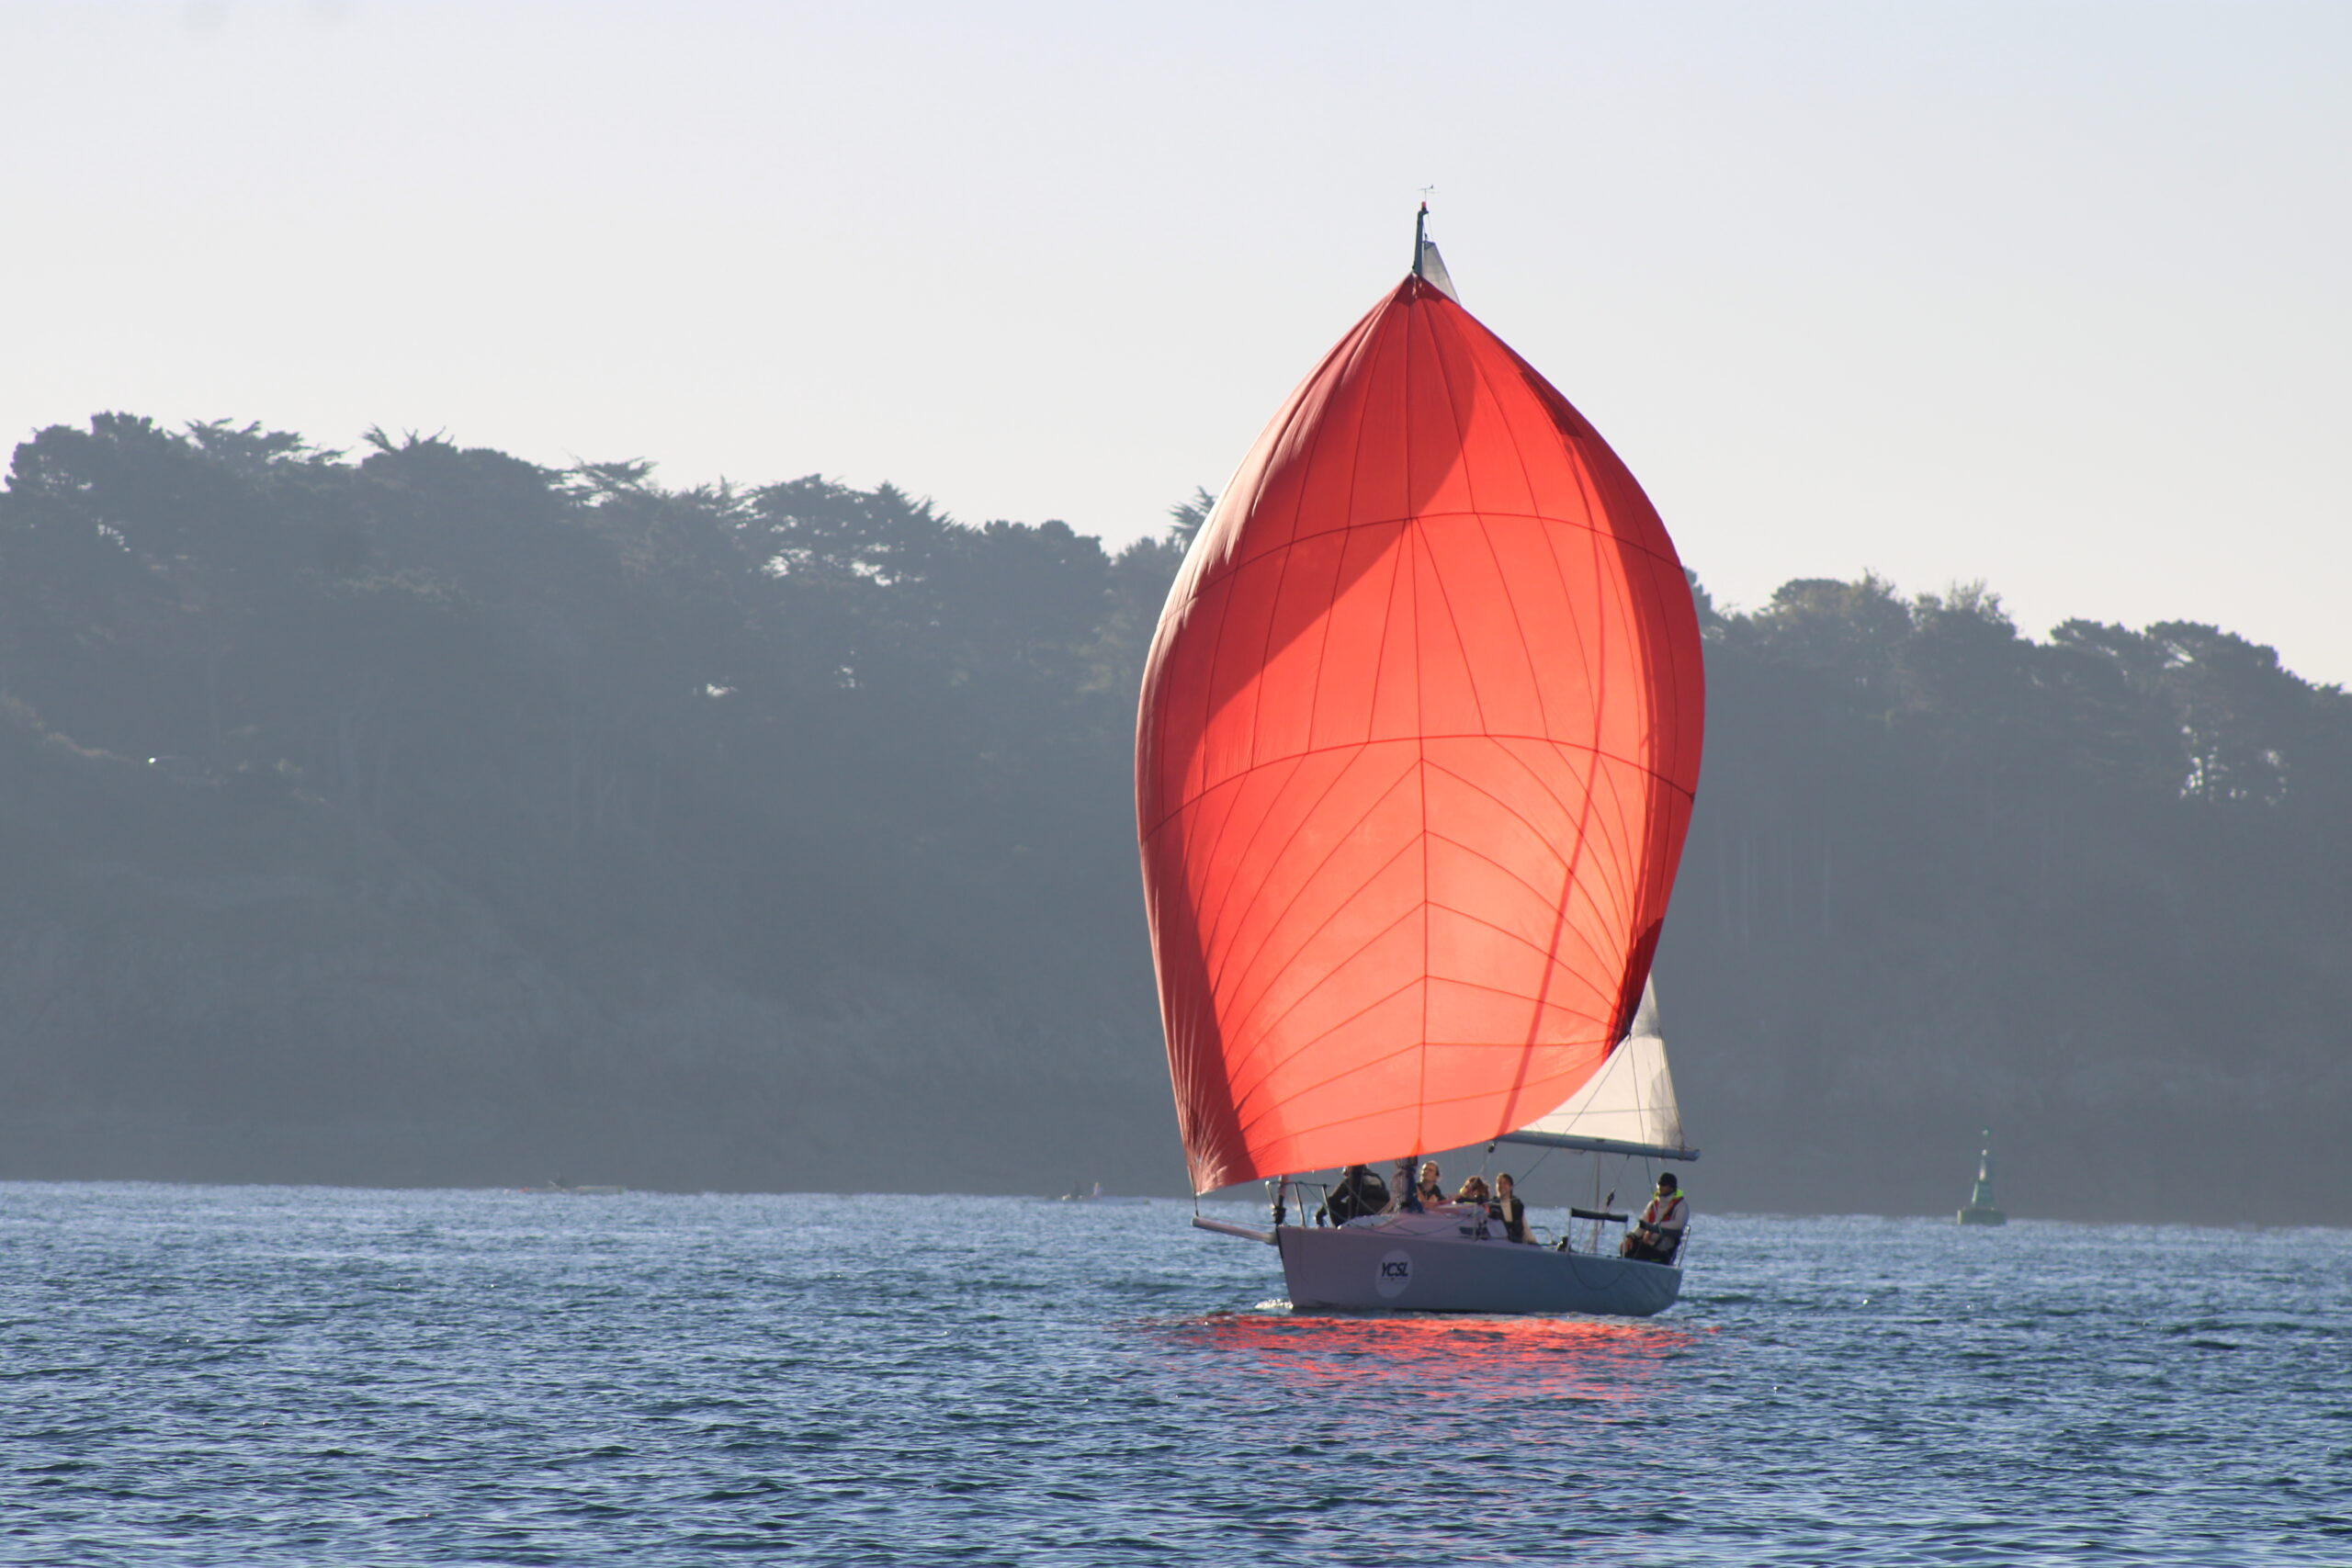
1369	1265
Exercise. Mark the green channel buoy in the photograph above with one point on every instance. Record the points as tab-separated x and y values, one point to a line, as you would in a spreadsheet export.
1981	1210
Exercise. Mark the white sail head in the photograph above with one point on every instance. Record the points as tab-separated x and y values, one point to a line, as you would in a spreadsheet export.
1627	1106
1430	267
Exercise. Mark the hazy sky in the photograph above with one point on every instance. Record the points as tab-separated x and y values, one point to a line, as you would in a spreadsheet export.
2049	294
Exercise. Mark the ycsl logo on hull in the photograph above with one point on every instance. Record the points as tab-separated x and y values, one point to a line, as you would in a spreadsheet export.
1396	1274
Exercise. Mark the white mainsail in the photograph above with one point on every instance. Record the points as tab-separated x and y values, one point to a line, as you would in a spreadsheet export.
1628	1107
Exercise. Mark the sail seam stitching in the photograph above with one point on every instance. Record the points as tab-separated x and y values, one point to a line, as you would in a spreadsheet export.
1274	926
1582	524
1189	801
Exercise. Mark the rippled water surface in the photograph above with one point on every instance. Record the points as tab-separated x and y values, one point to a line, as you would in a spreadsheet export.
201	1375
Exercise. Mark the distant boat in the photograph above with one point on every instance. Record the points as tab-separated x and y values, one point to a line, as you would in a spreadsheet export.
1981	1209
1414	763
1096	1195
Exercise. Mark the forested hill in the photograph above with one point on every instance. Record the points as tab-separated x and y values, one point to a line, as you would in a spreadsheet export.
427	815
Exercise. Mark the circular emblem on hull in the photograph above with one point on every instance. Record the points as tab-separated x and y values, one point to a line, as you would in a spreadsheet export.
1396	1274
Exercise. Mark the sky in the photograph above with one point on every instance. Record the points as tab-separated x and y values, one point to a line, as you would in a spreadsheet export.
2051	295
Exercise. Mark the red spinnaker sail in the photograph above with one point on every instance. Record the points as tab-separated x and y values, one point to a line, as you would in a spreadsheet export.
1419	738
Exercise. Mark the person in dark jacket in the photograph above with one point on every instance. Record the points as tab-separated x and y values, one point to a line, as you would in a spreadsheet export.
1359	1192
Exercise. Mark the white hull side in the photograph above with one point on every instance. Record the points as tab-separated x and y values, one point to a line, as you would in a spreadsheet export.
1405	1263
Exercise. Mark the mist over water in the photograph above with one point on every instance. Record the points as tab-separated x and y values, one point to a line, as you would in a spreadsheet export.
277	1376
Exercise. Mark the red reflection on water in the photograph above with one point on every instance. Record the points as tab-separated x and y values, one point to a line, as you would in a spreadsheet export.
1589	1358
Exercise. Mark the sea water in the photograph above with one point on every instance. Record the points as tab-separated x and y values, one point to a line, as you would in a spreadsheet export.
306	1376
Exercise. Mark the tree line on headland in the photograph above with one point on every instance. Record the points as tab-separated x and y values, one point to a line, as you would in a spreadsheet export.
432	816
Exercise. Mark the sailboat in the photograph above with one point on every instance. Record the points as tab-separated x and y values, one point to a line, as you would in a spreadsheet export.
1415	757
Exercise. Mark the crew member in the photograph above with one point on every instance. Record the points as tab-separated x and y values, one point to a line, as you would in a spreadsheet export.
1657	1234
1508	1208
1431	1191
1359	1192
1408	1196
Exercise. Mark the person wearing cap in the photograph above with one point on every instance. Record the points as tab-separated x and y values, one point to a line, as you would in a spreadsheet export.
1657	1234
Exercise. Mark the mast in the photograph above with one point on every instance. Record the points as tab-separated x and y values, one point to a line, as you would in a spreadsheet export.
1428	265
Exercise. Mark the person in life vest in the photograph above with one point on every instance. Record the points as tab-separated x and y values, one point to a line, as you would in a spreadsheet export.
1657	1234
